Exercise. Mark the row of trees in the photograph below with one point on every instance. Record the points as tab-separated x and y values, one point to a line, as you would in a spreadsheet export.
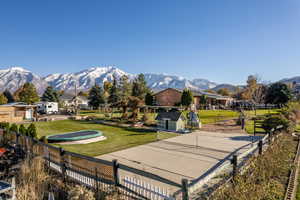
28	94
276	93
122	93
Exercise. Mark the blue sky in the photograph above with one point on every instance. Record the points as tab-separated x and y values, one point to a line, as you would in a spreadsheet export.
221	40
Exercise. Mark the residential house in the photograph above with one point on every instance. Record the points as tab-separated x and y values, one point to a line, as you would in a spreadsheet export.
17	112
172	97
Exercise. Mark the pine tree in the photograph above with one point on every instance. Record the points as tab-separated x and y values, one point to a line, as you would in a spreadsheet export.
22	129
9	96
3	99
149	99
95	97
186	98
114	92
139	87
50	95
31	131
28	94
14	128
124	88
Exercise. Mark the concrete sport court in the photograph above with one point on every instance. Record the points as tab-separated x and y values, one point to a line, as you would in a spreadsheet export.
185	156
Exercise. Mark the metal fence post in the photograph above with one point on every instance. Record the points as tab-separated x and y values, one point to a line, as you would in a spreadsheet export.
62	163
243	123
185	191
116	172
97	184
234	162
17	138
260	147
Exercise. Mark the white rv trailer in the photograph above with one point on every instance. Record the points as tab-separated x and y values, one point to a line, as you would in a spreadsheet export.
47	107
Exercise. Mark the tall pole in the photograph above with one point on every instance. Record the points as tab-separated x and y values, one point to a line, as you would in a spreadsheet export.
76	103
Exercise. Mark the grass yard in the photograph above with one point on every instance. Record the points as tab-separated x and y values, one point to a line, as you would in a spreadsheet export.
117	138
213	116
250	114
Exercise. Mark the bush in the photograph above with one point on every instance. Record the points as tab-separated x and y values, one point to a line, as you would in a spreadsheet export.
44	140
4	125
146	119
31	131
22	129
14	128
272	121
80	193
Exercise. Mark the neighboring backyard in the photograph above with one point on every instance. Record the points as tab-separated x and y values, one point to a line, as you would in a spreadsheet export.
122	138
117	138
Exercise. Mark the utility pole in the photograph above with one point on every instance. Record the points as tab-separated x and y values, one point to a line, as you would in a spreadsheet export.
76	100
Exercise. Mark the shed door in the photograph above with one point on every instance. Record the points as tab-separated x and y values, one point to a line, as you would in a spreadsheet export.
167	124
28	114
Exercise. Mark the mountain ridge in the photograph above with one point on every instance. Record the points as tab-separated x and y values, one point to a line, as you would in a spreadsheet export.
14	77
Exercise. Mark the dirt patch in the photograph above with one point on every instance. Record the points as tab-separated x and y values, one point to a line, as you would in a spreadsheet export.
227	126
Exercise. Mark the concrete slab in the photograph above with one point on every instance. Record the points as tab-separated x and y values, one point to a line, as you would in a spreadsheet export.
186	156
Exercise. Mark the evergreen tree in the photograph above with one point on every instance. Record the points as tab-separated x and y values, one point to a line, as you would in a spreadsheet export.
9	96
124	88
149	99
28	94
31	131
139	87
22	129
114	92
50	95
14	128
278	93
203	101
186	98
95	97
3	99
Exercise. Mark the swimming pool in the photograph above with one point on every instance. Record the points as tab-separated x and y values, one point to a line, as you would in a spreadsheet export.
74	136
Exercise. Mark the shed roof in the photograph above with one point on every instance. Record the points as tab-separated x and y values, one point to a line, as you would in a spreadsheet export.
172	115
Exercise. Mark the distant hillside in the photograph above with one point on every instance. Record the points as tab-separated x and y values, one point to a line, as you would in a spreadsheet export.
291	80
230	87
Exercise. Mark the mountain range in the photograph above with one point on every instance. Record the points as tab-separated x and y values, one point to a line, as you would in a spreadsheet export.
14	77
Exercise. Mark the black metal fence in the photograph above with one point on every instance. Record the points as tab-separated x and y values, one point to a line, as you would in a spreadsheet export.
102	176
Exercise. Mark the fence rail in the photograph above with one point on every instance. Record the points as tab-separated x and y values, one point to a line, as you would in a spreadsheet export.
130	183
97	174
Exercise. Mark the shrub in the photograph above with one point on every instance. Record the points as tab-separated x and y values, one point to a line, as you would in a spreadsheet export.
80	193
146	119
272	121
31	131
44	139
14	128
22	129
4	125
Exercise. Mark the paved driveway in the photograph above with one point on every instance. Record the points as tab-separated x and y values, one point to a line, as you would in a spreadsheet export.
186	156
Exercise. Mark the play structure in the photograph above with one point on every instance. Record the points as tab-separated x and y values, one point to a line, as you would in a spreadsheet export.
74	136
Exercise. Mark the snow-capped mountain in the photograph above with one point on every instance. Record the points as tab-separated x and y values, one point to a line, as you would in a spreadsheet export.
295	79
203	83
14	77
84	79
162	81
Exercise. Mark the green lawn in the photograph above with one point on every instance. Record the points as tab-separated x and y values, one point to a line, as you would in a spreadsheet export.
250	114
117	138
206	116
213	116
